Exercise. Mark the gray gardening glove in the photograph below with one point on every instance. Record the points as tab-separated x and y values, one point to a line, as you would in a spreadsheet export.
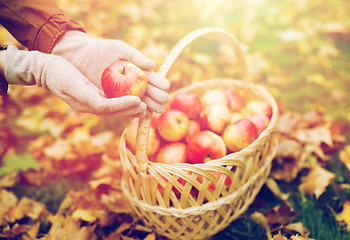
92	55
63	79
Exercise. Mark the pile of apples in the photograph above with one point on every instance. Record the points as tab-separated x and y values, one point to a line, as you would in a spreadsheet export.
196	129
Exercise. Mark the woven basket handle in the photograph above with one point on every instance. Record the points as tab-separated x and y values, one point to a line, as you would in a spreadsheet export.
143	128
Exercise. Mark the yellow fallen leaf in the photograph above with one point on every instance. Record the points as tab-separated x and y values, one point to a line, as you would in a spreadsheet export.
8	200
344	216
83	214
279	236
59	150
316	181
151	236
9	179
28	208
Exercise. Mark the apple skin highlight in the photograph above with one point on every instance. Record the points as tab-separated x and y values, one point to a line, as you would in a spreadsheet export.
123	78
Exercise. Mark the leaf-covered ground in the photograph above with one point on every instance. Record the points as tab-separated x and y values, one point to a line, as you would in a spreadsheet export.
60	170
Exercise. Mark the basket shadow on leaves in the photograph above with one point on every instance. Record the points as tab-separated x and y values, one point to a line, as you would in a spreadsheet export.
173	199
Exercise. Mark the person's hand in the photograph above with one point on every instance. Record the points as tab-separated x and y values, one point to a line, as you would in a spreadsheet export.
63	79
92	55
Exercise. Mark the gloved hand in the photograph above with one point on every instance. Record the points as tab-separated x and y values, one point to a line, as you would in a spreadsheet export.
63	79
92	55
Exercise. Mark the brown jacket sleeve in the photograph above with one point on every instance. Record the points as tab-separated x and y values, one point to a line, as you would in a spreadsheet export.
37	24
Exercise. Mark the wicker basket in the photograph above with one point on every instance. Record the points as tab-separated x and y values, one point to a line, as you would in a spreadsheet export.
162	194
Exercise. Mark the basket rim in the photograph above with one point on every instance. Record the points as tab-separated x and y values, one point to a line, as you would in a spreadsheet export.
272	127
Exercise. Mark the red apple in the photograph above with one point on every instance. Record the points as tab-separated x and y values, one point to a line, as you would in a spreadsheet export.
123	78
240	134
235	100
154	119
193	127
172	125
189	103
215	96
211	186
257	106
174	152
261	121
215	118
205	146
153	141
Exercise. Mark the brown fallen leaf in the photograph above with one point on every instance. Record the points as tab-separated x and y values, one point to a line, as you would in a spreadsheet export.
314	136
15	231
289	160
288	122
66	228
117	234
316	181
280	215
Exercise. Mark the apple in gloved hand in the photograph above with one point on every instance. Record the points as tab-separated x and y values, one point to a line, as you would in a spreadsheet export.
124	78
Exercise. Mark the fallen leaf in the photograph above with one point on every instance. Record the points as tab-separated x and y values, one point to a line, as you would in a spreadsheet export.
280	215
316	181
8	200
83	214
314	136
117	234
275	189
33	230
344	216
151	236
289	160
260	218
279	236
60	149
297	227
28	208
9	179
66	228
14	231
288	121
16	162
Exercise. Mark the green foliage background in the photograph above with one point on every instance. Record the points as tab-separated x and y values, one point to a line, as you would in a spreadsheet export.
298	48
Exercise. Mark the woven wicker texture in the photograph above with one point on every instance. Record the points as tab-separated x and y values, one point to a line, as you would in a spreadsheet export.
173	199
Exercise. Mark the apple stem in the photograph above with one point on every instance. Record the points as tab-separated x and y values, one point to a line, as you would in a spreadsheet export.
123	72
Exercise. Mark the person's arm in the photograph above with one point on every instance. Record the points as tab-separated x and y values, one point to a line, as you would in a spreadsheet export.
60	77
41	25
37	24
3	81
